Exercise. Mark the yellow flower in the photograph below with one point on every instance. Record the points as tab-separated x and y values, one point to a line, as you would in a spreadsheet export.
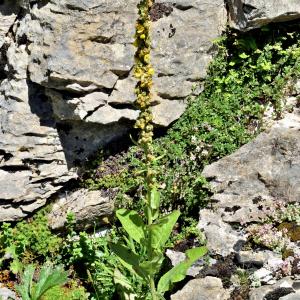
151	71
147	59
139	28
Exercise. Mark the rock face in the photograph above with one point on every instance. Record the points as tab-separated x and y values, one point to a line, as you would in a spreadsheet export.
249	14
207	288
66	84
89	208
282	288
248	182
6	294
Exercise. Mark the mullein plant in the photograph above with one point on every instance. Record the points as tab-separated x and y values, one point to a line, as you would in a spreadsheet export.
147	234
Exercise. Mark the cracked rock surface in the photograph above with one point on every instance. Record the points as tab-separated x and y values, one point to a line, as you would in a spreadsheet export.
249	14
88	207
203	289
247	183
66	84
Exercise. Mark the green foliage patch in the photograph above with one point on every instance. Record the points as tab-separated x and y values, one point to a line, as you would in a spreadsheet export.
48	278
95	263
29	241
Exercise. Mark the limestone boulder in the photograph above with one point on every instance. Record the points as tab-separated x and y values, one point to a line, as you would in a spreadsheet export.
8	15
203	289
90	208
85	48
249	14
247	183
7	294
279	290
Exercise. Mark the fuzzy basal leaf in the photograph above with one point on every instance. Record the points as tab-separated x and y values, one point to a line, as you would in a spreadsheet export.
132	223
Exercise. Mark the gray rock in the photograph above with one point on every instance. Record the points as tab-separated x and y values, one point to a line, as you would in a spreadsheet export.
256	258
249	14
168	111
280	288
221	238
89	208
32	159
176	257
7	294
297	87
292	296
263	275
247	183
8	15
180	54
207	288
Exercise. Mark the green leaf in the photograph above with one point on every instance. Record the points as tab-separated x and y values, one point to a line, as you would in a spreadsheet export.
48	279
132	223
24	289
122	280
16	266
195	253
243	55
161	230
125	289
127	258
178	273
152	267
154	199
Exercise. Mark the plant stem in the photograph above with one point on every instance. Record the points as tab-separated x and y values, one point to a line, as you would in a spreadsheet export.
153	289
143	72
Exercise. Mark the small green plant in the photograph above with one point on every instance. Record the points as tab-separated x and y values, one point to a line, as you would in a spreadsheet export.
143	253
29	241
267	235
48	278
73	291
286	212
188	231
93	260
243	277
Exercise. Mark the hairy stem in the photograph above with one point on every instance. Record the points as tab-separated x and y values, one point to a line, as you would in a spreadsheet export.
153	290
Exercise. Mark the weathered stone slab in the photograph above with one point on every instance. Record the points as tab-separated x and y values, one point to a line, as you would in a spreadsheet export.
88	207
247	183
249	14
207	288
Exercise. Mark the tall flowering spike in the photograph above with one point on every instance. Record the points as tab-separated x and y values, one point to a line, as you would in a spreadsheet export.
143	72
